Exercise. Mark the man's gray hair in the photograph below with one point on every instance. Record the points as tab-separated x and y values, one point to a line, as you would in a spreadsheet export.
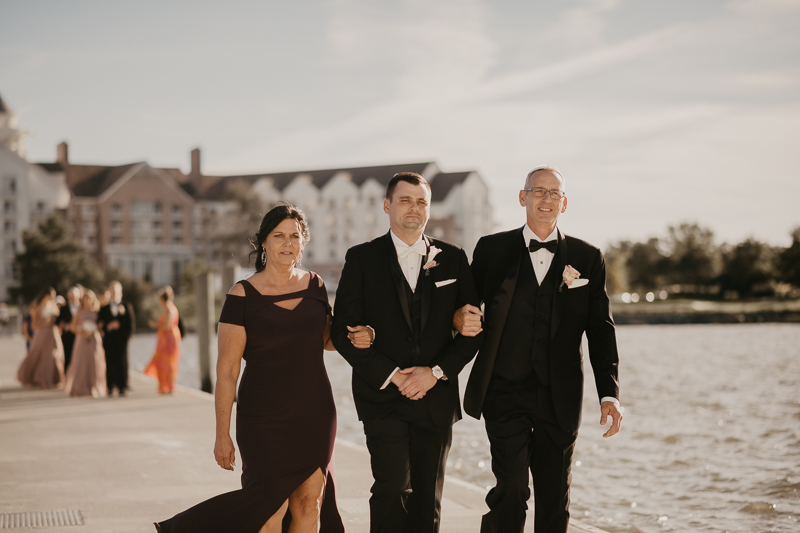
554	170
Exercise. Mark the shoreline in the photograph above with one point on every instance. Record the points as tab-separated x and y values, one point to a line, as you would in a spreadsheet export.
688	311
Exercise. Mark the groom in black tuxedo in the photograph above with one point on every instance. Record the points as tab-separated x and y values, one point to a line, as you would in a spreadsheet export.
542	291
406	286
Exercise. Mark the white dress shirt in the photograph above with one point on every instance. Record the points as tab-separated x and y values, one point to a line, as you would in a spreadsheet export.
541	260
410	257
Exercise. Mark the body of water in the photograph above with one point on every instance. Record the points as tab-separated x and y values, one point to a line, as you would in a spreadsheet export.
710	439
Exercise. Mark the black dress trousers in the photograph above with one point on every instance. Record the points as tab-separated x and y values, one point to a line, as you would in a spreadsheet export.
408	455
524	437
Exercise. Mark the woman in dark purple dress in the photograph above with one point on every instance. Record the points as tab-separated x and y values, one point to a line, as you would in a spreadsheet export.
278	321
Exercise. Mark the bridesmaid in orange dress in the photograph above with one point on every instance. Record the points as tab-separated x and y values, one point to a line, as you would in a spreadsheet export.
86	375
164	365
44	365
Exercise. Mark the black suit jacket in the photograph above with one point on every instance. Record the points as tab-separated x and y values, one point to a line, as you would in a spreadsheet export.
495	267
372	292
127	322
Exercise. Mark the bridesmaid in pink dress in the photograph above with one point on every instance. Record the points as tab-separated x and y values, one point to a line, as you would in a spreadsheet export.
44	365
164	365
86	375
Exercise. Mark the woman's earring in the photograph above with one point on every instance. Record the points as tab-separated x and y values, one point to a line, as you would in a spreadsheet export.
263	257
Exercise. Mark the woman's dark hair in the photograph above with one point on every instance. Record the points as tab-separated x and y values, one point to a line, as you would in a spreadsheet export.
270	221
166	293
44	292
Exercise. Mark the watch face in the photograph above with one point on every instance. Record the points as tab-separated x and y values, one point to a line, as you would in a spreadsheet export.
437	372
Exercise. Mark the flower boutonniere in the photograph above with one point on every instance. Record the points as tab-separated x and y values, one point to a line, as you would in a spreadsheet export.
569	275
429	262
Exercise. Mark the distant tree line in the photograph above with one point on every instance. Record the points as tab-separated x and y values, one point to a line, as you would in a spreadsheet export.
689	261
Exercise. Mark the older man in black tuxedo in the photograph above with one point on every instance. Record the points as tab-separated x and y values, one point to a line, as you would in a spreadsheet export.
542	291
406	286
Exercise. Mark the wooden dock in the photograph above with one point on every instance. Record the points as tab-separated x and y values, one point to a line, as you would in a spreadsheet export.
119	464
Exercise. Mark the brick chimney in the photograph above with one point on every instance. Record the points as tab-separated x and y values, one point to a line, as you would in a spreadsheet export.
62	155
195	173
195	163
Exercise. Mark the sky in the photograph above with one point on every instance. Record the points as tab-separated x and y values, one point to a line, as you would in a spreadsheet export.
656	112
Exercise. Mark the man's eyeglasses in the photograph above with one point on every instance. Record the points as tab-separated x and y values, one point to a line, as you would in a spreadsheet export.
539	192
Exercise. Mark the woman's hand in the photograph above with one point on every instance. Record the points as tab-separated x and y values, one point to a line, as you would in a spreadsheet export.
361	336
224	452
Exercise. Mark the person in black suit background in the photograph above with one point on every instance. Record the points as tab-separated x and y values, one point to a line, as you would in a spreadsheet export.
64	321
542	291
117	323
406	286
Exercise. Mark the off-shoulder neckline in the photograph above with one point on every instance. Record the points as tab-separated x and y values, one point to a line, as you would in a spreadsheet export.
312	277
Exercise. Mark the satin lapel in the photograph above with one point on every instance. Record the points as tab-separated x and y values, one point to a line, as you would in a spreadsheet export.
505	292
560	297
424	284
397	276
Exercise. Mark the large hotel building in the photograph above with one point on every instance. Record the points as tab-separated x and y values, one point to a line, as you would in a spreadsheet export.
151	222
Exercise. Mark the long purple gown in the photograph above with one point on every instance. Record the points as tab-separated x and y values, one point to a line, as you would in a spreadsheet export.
285	416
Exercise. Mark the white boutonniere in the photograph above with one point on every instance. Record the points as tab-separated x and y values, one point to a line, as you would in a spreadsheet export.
569	276
429	262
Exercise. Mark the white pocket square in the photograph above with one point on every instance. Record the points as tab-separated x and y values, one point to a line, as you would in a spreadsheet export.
444	282
578	283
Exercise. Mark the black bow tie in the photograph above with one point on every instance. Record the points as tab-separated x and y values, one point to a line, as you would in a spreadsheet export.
535	246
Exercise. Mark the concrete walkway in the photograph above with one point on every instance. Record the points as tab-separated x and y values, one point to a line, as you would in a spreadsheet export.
118	464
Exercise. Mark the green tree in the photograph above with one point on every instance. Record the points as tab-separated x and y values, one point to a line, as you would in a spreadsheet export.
53	257
646	265
616	275
746	266
693	255
230	233
788	261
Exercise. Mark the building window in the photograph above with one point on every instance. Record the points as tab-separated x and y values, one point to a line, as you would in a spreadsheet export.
148	270
88	211
9	207
115	211
116	227
9	226
156	224
141	208
177	225
177	239
159	240
176	211
116	239
40	207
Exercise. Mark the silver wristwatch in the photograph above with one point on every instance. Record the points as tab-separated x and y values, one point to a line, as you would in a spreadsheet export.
438	373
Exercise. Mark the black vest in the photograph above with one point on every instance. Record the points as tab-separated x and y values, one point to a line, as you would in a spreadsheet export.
414	299
525	344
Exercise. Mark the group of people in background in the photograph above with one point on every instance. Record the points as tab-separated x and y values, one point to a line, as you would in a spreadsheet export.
80	342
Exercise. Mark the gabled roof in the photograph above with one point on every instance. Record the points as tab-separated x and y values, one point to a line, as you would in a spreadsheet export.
93	180
214	187
443	182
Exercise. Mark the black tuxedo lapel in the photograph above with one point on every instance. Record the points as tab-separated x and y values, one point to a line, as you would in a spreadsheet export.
397	277
424	285
501	302
560	297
